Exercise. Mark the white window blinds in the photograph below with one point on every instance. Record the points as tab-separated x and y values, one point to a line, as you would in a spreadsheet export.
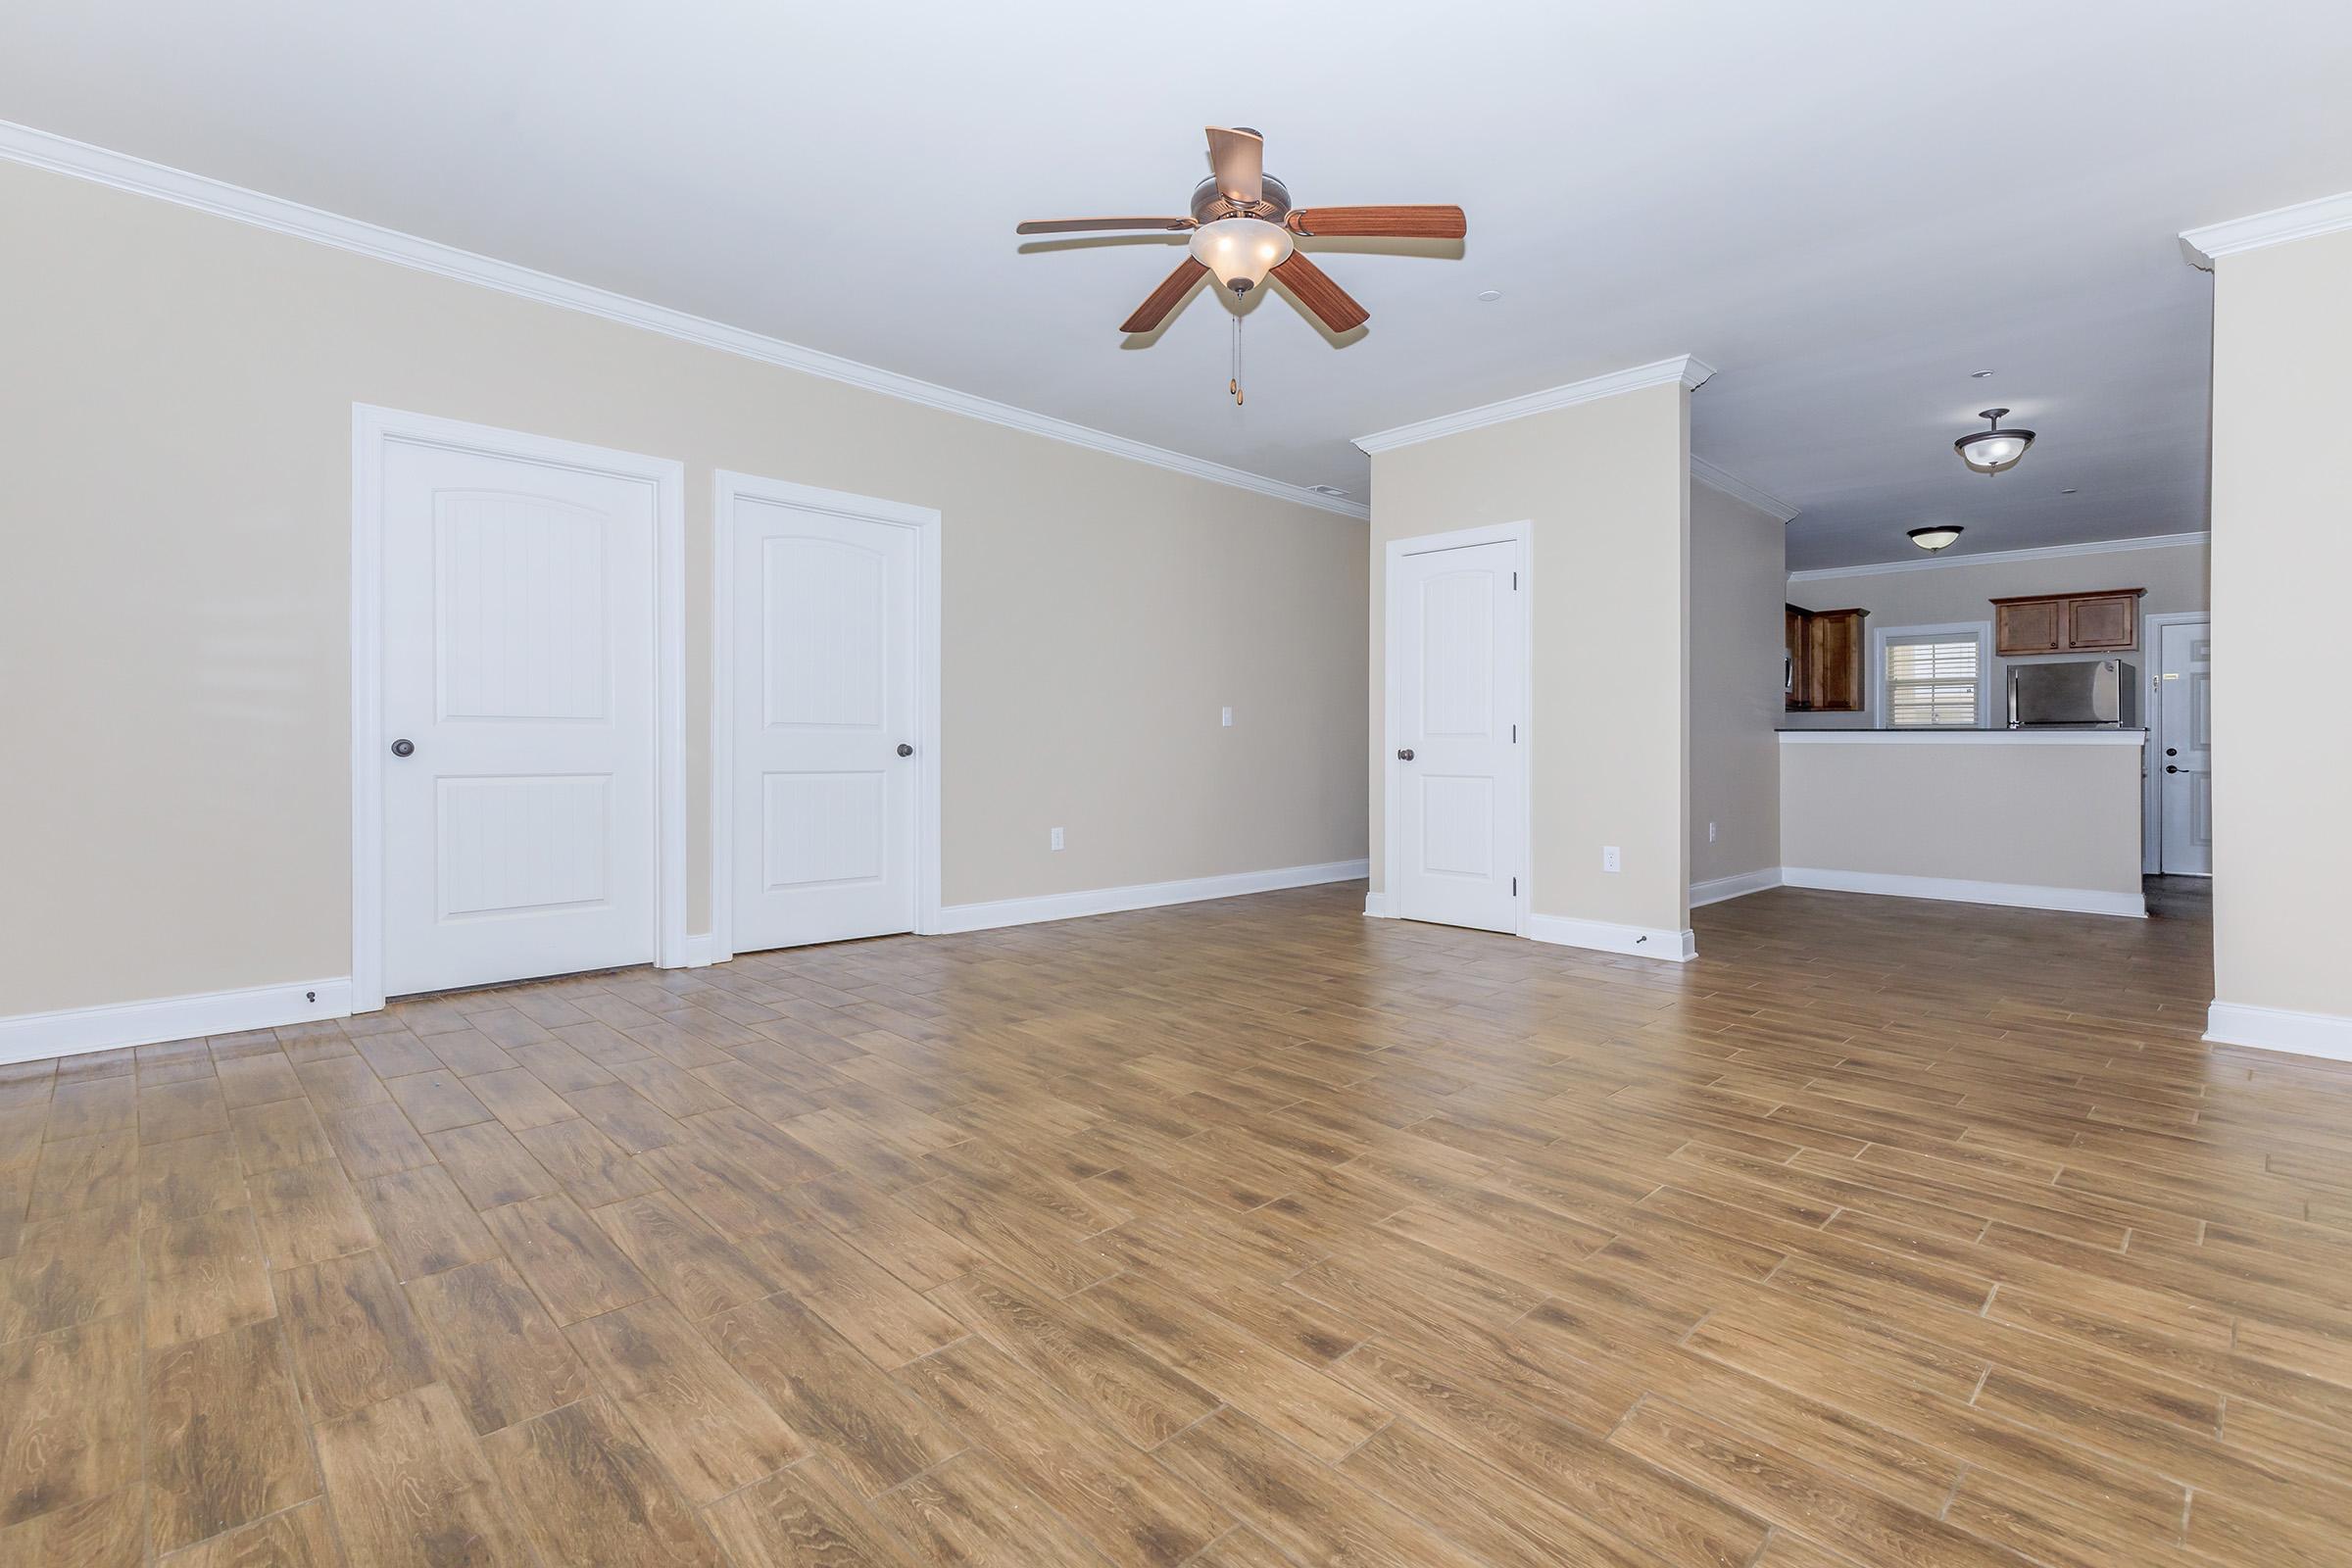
1931	681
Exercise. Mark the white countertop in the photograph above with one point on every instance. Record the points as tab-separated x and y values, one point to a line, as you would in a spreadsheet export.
1965	737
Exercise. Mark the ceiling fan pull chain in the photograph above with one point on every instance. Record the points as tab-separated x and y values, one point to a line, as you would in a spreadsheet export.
1235	385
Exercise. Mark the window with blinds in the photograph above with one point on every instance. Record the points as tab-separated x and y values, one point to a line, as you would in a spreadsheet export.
1931	682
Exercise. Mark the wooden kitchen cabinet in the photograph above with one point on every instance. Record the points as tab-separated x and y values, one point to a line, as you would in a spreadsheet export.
2103	623
2028	626
1824	651
1839	679
1796	683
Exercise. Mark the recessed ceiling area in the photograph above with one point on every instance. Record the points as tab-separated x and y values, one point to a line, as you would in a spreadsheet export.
1641	183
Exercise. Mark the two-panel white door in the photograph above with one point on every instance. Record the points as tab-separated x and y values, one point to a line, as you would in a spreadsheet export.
1461	690
824	724
517	718
2185	699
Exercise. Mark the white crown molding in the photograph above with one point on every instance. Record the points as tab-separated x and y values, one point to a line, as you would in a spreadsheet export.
1604	936
1691	370
1734	887
2280	225
32	1037
1991	557
41	148
1143	896
1956	890
2306	1033
1739	490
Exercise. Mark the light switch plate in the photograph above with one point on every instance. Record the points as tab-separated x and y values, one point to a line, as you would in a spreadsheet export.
1058	838
1229	718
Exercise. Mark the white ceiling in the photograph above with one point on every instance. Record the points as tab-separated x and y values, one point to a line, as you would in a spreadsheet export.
1847	206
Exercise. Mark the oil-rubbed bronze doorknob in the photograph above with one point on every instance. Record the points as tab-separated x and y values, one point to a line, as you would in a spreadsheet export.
2169	768
404	747
906	750
1405	756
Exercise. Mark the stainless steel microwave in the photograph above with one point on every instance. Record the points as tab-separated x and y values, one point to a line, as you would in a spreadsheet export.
2078	693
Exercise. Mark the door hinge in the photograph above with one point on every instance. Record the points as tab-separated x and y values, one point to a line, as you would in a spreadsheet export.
1514	582
1514	734
1514	887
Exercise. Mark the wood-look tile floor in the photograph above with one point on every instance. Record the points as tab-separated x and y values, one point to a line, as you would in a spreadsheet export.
1237	1235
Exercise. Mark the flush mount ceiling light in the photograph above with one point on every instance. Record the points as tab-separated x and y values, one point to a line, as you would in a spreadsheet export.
1995	449
1933	539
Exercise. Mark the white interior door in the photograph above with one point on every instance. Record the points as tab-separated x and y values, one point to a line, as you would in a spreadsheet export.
1461	676
2184	697
518	698
826	724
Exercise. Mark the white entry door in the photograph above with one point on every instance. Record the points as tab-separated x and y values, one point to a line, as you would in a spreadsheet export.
825	722
1461	676
517	718
2184	697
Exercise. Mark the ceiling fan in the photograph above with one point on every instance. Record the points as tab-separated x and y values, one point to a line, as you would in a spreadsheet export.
1243	226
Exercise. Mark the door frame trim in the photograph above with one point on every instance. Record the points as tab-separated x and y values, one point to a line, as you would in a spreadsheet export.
730	486
373	428
2151	822
1523	534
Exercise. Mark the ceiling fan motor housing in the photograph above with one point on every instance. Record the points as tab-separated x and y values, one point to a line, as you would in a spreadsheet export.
1210	204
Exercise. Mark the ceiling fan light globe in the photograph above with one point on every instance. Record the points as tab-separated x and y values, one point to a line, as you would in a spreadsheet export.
1241	250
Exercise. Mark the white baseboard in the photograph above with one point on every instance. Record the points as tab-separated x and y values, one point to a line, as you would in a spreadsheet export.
1376	906
2306	1033
1643	942
32	1036
1734	887
1953	890
1143	896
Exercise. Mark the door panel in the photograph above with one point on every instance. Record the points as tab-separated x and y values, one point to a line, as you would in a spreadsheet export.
2035	626
1462	674
824	696
519	664
2105	621
2185	687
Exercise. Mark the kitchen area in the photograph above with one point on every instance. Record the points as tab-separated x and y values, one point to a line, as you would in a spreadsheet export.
1988	750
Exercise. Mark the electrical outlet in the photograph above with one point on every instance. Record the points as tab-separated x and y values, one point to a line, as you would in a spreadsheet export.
1610	859
1710	832
1229	718
1058	838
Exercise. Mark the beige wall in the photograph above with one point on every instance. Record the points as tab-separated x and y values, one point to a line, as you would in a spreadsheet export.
2022	812
1606	487
2281	556
176	406
1739	567
1951	591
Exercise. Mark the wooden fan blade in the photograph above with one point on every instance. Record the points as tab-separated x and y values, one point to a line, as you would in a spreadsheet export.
1079	225
1313	289
1164	298
1238	158
1380	222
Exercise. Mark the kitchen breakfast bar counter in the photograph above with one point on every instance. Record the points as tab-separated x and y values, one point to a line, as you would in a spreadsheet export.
2043	818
